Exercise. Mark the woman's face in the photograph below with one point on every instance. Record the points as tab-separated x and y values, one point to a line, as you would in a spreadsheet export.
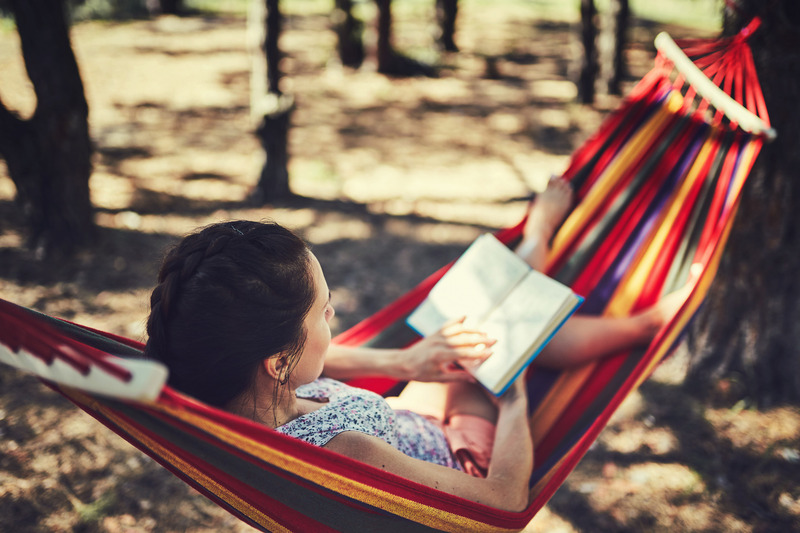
318	331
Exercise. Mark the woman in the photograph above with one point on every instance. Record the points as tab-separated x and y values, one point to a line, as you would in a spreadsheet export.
241	318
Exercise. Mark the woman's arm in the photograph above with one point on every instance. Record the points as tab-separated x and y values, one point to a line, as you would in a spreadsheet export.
506	484
433	358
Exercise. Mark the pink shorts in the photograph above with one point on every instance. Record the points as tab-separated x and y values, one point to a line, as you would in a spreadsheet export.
471	440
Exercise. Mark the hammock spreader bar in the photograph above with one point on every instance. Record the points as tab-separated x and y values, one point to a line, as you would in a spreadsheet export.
657	189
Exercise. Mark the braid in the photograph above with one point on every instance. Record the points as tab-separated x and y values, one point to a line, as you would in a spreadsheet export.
228	297
179	265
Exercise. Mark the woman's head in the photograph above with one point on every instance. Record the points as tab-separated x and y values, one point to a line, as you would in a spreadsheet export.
228	297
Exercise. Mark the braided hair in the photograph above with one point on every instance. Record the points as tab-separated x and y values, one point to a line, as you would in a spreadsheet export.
228	297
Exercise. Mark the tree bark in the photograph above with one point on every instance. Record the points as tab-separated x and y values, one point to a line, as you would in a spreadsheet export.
746	342
588	68
272	51
164	7
49	155
385	51
270	108
273	132
389	61
615	32
446	14
349	31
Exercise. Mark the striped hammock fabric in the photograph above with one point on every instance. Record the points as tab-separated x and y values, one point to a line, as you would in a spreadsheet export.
657	188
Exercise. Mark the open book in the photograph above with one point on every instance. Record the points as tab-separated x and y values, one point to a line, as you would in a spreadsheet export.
501	295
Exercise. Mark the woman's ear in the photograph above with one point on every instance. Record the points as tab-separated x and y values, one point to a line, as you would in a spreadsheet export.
277	366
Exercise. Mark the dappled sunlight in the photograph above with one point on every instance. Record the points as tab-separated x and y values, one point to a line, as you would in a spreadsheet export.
394	177
667	462
657	441
775	433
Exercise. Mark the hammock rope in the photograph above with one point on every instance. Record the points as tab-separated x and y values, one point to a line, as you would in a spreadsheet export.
657	189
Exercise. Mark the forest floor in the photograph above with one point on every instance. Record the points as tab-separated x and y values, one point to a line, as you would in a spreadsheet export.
396	177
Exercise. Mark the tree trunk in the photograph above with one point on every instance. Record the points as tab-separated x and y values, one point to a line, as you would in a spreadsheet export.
270	108
746	342
273	132
164	7
349	31
446	14
588	68
274	25
389	61
385	51
615	31
49	156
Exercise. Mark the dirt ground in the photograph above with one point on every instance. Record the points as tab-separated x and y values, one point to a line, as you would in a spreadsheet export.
397	175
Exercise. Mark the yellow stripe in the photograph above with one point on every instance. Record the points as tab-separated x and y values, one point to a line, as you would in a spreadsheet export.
570	382
694	301
637	275
749	154
558	398
415	511
598	195
202	479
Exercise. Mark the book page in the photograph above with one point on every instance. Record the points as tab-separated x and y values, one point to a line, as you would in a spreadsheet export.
525	320
479	279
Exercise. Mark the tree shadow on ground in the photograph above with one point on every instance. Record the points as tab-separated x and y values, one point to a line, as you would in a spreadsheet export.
120	259
744	482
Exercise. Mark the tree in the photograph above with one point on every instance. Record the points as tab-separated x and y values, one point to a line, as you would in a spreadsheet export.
446	14
386	55
389	60
608	62
349	31
269	106
614	36
588	67
166	7
48	156
747	339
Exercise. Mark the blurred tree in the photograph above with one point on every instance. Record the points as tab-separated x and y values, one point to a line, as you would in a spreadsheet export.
614	35
385	50
607	63
270	108
49	155
588	67
746	342
446	14
389	61
349	31
165	7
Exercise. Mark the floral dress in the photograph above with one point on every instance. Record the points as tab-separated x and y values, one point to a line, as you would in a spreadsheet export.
353	409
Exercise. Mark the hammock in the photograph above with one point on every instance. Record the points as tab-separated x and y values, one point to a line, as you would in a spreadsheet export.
657	189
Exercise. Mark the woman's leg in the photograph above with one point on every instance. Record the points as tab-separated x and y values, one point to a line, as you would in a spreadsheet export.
585	338
443	400
546	213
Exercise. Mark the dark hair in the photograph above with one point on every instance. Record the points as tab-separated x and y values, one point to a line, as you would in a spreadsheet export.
228	297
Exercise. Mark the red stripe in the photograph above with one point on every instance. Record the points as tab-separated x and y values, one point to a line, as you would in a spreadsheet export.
47	343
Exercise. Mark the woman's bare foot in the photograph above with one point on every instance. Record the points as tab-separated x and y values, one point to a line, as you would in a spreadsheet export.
548	209
545	214
660	313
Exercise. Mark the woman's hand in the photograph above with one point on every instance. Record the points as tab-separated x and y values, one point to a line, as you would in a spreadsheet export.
443	355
